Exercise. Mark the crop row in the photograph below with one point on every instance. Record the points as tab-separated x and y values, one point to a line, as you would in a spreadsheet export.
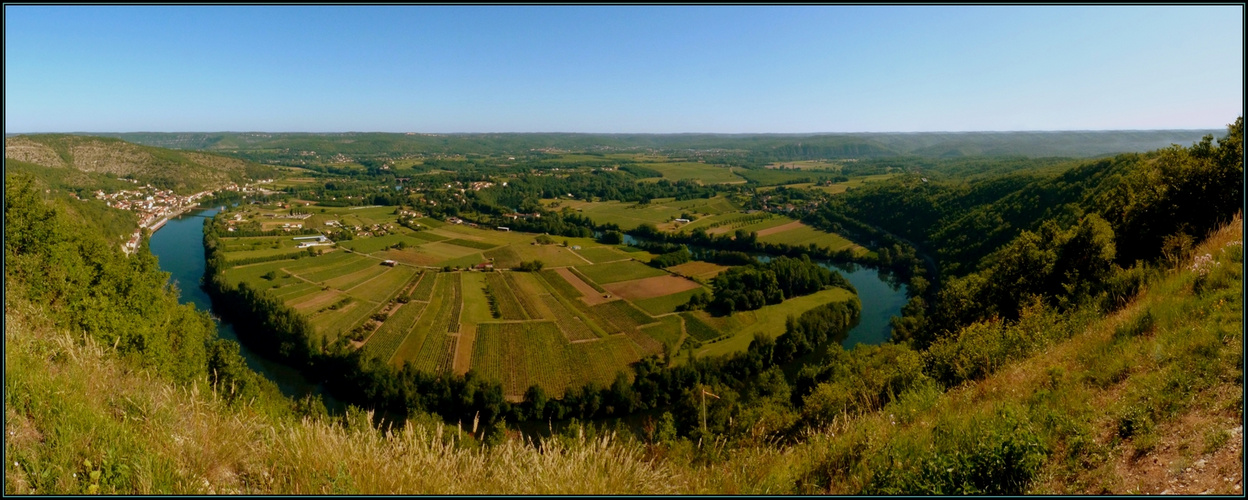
622	315
699	329
433	353
447	362
560	285
520	355
570	303
599	361
424	289
526	300
572	326
430	322
489	352
509	307
349	281
383	344
457	304
342	269
479	245
646	344
587	281
667	331
742	221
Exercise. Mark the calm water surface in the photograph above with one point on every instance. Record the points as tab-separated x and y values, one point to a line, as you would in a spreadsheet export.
880	301
179	246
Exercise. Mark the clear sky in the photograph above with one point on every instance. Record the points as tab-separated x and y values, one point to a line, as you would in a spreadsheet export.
721	69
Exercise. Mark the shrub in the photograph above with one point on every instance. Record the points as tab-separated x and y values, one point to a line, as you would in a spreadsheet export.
993	455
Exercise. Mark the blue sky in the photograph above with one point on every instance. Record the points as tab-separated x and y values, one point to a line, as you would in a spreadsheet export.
740	69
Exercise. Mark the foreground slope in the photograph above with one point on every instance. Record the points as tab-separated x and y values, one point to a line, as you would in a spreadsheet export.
1147	400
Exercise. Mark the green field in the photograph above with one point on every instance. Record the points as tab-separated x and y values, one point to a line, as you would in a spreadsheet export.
658	211
618	271
333	322
772	177
534	353
545	332
702	172
383	287
349	281
424	288
806	235
321	275
438	308
383	344
667	331
602	254
525	288
479	245
434	223
376	243
766	223
621	315
769	320
550	255
833	165
442	251
698	328
573	325
504	298
521	355
425	236
667	303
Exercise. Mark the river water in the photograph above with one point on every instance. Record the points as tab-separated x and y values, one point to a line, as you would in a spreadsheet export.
880	301
179	246
180	249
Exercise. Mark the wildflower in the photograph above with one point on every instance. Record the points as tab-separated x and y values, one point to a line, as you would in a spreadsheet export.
1202	264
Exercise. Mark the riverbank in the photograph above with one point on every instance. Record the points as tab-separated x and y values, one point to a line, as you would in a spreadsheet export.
179	249
133	244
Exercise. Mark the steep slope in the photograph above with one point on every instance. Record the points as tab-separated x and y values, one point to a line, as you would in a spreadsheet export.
70	156
1148	400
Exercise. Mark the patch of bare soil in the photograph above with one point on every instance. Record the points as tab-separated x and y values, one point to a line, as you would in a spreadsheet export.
1196	454
646	288
781	228
588	294
23	149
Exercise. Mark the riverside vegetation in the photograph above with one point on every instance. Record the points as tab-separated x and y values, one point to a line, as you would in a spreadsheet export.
1093	344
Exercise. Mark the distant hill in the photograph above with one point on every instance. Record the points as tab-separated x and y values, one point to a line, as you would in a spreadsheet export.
1075	144
81	161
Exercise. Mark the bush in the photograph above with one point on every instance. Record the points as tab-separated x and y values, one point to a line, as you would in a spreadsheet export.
530	266
994	455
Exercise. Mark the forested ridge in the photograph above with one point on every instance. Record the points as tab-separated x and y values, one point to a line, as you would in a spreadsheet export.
753	148
1126	272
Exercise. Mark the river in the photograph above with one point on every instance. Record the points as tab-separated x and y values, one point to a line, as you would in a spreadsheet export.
179	246
880	301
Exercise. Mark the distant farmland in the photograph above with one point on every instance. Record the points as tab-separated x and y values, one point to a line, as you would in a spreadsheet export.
594	309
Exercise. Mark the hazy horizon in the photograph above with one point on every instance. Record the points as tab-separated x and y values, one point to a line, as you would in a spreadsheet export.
625	133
